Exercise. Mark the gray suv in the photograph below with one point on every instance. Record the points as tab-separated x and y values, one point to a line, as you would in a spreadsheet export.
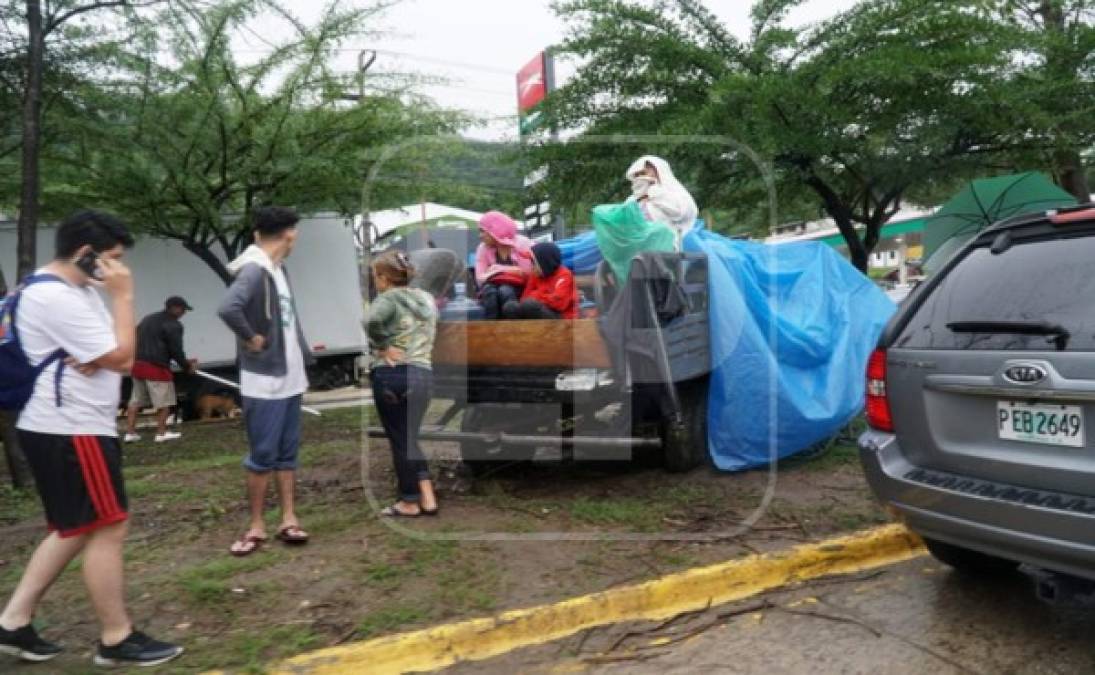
981	401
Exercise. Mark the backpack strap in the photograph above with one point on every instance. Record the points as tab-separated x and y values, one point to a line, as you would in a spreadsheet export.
57	356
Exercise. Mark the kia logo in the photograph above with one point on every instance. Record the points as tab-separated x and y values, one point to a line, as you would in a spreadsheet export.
1025	374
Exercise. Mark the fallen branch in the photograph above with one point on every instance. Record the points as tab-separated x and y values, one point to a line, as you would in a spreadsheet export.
672	620
748	609
833	617
660	627
584	638
839	579
620	658
345	637
719	620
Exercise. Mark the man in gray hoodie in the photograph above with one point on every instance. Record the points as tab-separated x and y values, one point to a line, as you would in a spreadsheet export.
273	354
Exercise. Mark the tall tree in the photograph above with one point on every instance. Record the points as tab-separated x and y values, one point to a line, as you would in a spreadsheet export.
1053	89
42	23
200	141
855	111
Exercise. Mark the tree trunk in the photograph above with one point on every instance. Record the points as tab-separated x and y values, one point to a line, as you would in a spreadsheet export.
32	135
1072	175
1068	165
212	262
841	214
17	463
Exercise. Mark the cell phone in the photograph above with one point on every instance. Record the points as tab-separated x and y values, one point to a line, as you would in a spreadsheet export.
88	264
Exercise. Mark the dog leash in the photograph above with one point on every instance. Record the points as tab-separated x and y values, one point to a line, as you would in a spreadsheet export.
230	383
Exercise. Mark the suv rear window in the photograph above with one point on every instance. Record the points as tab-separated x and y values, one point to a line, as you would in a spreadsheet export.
1048	280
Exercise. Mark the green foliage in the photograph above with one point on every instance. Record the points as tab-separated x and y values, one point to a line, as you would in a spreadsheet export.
472	175
891	100
195	143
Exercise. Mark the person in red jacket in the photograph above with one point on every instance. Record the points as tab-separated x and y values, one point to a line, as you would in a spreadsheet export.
550	292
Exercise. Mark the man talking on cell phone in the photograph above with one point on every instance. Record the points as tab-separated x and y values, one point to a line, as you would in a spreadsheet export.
69	433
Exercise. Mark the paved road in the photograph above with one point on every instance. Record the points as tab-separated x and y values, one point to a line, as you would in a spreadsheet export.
918	617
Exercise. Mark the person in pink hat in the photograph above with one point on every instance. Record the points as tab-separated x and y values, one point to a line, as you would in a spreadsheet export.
503	263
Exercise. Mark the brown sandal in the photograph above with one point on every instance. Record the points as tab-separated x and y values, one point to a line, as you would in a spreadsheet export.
246	545
292	534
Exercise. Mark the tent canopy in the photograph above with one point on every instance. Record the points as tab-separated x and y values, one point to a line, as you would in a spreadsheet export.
984	202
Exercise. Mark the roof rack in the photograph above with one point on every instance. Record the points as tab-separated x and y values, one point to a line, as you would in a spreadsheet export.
1075	215
1063	216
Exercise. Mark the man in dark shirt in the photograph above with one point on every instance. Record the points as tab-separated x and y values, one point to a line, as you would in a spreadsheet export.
159	342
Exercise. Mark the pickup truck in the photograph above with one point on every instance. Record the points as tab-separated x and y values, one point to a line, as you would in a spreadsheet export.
631	382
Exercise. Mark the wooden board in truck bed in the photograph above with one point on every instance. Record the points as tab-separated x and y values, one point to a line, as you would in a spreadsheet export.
524	344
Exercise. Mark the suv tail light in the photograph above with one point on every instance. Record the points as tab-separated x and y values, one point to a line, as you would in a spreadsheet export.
878	405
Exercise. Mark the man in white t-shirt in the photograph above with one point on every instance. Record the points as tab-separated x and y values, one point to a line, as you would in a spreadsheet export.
69	434
259	308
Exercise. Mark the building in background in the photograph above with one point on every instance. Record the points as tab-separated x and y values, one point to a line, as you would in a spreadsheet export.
900	245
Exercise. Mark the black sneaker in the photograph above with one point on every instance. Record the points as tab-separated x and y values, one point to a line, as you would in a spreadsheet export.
25	644
137	650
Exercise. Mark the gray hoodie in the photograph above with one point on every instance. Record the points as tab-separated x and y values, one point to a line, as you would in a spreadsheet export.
251	308
405	318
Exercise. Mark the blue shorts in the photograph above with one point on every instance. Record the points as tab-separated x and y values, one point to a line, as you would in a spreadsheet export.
273	430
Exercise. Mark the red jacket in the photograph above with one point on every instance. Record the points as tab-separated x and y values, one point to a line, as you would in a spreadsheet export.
556	292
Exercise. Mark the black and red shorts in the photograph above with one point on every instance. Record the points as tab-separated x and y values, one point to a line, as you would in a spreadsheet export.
79	479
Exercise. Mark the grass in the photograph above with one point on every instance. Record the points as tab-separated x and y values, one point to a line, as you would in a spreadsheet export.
469	585
17	505
211	583
384	575
390	620
834	457
636	514
246	651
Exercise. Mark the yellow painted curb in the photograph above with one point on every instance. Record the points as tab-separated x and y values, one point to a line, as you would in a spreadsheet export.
477	639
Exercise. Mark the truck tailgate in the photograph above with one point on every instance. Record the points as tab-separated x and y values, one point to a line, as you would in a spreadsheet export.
533	344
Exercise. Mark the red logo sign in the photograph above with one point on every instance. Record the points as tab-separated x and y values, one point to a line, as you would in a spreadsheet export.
532	84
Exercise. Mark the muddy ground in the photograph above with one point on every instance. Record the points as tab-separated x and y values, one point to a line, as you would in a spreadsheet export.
555	532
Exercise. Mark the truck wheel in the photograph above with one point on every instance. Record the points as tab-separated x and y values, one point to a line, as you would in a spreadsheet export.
684	445
967	561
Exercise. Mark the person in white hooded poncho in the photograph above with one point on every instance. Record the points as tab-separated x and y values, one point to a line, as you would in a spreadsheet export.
662	197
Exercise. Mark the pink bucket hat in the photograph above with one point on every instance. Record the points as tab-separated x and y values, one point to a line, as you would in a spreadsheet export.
499	226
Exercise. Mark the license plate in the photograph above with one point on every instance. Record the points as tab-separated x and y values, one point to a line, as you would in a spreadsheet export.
1061	425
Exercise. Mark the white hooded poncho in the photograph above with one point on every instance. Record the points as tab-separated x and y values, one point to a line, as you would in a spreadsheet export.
668	201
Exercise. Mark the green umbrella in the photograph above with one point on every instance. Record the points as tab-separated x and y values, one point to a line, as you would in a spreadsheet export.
982	203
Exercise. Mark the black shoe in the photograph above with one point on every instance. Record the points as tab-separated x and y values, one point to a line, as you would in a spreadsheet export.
25	644
137	650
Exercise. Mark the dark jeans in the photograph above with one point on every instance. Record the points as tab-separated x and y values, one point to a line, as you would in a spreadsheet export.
402	395
494	297
528	309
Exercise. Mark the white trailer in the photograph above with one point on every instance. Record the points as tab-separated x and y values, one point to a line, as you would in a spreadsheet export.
323	269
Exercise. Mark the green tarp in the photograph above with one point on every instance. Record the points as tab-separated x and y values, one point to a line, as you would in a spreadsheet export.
623	232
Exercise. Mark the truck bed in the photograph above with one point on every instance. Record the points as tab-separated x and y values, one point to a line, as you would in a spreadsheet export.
521	344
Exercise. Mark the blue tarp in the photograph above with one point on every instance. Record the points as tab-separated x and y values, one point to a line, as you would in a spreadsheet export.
580	253
792	327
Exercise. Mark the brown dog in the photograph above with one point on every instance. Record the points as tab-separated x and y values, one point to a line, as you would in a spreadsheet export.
213	406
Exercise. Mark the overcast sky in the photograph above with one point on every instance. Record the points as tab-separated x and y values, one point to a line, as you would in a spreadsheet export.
479	45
